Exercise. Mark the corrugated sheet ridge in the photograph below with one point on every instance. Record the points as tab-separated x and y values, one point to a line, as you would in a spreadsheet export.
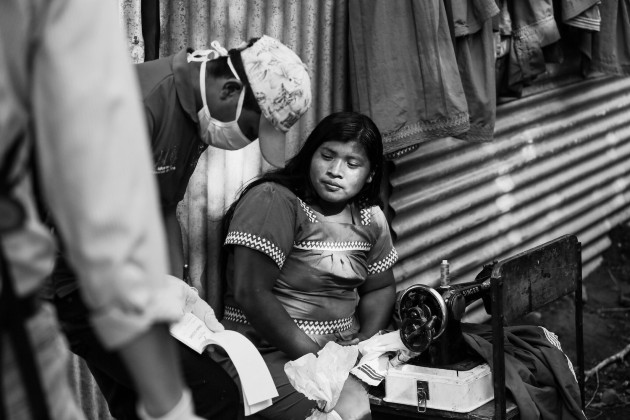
559	165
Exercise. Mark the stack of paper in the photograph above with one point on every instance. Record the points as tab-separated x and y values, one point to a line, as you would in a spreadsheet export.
256	382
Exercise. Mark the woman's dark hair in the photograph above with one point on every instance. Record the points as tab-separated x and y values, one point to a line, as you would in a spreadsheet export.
220	68
340	126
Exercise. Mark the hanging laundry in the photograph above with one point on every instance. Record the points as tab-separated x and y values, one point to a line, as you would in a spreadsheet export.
610	50
582	14
403	72
526	27
474	49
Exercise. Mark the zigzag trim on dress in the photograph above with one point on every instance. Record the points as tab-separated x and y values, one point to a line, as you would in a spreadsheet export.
333	246
384	264
309	213
233	314
366	213
309	327
256	242
364	210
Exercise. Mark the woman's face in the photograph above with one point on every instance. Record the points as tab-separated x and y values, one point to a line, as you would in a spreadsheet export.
339	170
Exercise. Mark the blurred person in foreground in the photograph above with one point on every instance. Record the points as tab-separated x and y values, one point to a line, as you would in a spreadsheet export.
192	100
72	135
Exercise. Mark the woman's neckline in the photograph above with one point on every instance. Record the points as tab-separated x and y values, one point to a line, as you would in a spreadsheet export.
349	217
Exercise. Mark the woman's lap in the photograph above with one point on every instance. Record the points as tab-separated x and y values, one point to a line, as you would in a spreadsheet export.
289	404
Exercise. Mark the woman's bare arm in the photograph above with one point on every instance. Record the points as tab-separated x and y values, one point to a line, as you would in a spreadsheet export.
377	296
254	277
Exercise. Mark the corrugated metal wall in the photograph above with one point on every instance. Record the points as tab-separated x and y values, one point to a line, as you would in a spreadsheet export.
559	165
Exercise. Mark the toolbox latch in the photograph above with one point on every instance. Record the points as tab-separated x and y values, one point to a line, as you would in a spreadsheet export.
423	395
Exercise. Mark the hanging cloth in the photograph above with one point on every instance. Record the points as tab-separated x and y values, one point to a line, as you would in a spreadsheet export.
610	51
529	26
582	14
403	72
474	49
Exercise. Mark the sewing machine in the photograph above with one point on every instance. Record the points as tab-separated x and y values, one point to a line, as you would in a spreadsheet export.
446	376
430	324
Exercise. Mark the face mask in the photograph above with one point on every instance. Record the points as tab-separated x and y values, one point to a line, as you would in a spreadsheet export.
224	135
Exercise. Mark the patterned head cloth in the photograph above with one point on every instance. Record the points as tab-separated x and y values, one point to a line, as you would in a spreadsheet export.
282	87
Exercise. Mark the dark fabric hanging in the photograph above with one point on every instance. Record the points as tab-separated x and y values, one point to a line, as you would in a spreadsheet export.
474	49
403	72
610	49
150	16
526	28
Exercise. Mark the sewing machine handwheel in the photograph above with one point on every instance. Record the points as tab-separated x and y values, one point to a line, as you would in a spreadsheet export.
421	303
417	335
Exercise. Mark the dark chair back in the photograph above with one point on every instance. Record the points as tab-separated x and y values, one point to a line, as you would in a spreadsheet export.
527	281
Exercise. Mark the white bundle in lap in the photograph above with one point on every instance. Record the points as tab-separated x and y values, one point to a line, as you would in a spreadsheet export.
379	353
321	378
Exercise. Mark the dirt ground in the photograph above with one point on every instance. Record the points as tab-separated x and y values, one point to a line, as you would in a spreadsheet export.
606	313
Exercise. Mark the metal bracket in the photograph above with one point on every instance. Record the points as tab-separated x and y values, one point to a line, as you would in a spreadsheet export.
423	395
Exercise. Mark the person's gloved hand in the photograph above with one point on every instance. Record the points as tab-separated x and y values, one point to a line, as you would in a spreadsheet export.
183	410
191	302
201	310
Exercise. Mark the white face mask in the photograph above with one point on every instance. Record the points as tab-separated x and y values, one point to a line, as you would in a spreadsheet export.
224	135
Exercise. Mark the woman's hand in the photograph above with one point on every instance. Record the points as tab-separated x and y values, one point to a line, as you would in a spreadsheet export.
343	338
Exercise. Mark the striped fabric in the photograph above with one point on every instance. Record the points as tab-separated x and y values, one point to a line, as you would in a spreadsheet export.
368	374
553	339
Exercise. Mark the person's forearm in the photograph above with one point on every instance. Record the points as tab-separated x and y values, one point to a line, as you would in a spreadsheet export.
153	362
272	321
375	310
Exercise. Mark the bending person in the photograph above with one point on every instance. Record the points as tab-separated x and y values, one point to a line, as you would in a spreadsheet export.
309	257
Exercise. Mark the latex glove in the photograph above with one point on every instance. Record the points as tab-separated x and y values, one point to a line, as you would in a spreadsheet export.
191	302
183	410
202	310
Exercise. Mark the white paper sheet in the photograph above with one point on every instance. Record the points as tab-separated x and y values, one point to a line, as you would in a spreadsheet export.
256	382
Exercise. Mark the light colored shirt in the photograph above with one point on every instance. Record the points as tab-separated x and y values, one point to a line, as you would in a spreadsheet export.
67	83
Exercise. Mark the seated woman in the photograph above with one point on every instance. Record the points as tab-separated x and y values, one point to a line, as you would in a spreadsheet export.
309	257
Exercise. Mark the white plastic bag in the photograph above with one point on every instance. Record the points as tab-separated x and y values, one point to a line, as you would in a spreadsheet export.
321	378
